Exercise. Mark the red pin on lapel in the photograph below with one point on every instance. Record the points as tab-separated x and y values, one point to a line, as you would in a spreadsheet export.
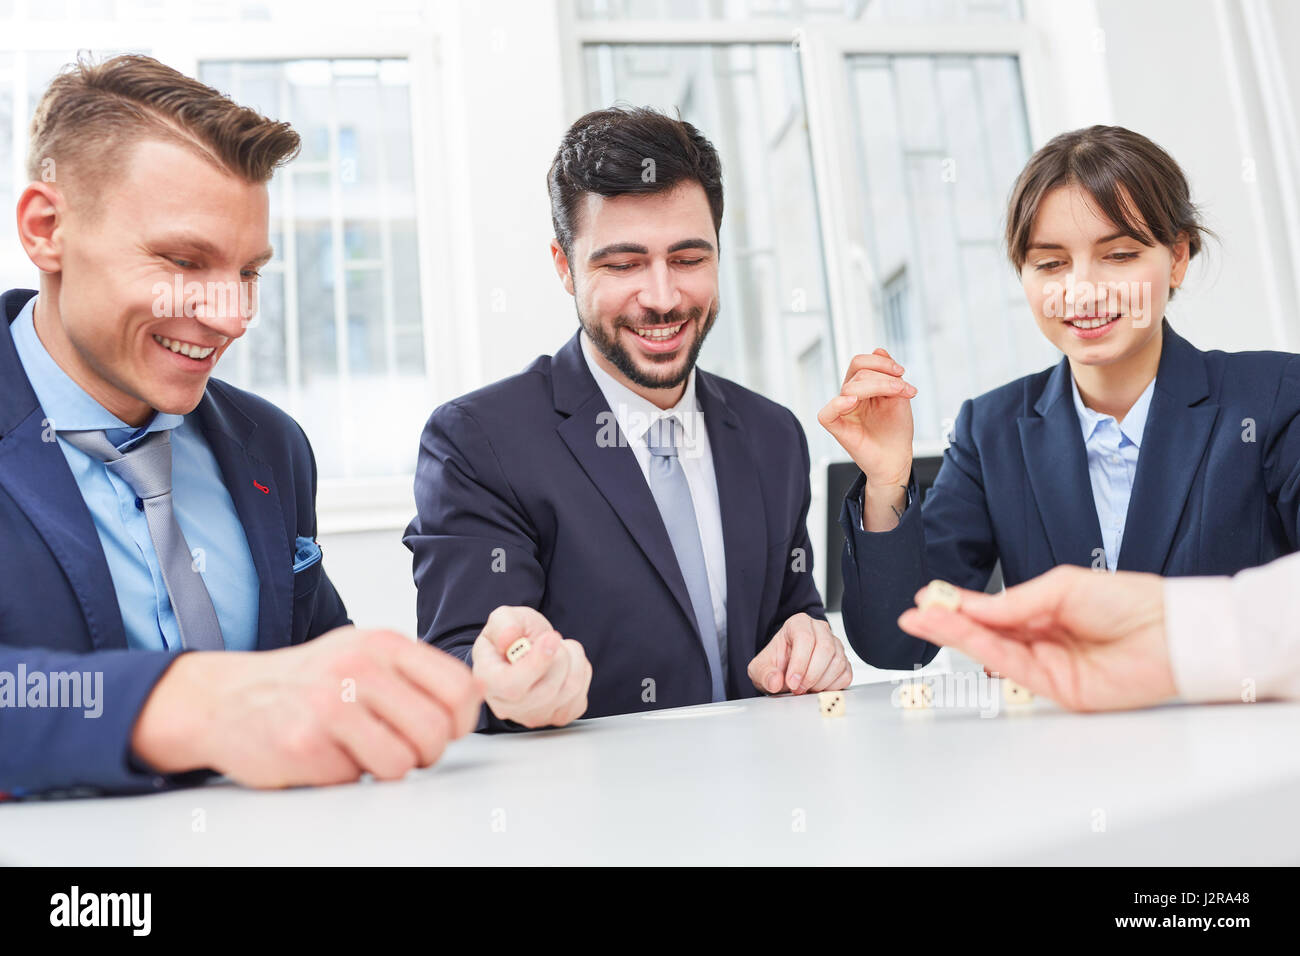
261	487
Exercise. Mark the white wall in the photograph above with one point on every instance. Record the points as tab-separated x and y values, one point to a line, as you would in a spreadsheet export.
505	115
1183	73
372	571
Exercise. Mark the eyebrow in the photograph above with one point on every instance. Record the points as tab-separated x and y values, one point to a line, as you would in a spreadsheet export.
1100	242
199	244
617	248
702	244
264	258
633	248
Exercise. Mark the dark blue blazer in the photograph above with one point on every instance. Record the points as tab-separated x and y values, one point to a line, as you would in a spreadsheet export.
519	503
1217	489
58	609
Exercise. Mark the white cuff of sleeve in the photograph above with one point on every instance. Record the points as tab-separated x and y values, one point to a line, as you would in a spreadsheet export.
1201	629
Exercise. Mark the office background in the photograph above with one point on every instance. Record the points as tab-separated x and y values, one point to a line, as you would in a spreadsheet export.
868	147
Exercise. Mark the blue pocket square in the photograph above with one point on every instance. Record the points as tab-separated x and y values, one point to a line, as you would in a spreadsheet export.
306	553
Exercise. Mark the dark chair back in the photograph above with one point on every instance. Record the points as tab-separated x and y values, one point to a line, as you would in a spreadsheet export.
840	476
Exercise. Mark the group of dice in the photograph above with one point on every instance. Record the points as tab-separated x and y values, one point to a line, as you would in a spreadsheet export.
914	695
918	695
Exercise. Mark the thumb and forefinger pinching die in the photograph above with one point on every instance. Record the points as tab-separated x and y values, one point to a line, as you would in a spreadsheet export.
518	649
831	703
939	594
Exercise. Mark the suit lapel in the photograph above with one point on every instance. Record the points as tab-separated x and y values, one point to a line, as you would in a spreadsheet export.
744	526
1174	441
36	475
1057	463
612	466
256	495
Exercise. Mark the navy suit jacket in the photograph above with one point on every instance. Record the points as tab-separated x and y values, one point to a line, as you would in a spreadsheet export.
1217	489
58	609
520	504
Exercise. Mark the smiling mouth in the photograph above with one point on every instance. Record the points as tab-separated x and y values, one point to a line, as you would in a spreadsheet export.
1092	323
659	333
188	349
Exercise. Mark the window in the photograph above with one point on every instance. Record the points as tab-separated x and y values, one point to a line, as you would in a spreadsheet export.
867	149
940	139
951	11
343	340
24	75
339	340
898	324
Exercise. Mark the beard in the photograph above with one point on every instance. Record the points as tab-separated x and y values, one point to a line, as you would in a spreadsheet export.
607	343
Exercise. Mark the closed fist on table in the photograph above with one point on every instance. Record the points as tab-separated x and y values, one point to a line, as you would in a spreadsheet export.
803	657
546	686
349	702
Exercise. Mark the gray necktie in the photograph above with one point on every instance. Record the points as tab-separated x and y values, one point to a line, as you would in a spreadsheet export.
147	469
673	496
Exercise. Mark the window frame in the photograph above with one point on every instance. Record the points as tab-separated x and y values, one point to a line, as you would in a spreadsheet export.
824	47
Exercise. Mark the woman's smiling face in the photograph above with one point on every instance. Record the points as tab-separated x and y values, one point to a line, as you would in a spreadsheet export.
1097	293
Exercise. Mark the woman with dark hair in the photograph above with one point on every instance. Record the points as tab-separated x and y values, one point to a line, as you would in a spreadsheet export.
1138	451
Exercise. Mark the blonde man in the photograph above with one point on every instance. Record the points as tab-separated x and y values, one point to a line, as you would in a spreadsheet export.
159	525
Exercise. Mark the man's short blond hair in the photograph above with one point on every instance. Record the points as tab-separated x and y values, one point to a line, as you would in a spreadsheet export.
93	113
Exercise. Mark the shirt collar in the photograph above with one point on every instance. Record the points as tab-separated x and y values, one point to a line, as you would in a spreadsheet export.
1134	424
636	414
66	405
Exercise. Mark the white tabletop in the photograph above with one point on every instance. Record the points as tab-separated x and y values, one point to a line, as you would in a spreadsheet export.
760	781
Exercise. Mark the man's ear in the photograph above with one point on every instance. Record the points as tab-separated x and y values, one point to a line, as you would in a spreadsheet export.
41	211
561	261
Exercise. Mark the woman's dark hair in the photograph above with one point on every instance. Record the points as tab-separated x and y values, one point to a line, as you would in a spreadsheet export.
625	150
1127	175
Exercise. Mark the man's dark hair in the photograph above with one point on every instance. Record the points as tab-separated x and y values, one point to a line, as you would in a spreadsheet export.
625	150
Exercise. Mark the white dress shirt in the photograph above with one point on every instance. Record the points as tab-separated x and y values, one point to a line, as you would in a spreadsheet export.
1236	638
635	415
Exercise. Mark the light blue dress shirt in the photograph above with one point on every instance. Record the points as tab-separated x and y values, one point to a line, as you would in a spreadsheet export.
1112	449
202	505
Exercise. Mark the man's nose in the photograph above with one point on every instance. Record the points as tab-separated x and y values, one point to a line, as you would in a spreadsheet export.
227	306
660	293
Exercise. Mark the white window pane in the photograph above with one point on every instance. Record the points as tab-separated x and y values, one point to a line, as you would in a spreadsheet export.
344	338
265	342
940	141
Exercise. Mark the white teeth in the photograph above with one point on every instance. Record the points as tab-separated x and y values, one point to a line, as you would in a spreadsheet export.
185	348
660	335
1090	323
